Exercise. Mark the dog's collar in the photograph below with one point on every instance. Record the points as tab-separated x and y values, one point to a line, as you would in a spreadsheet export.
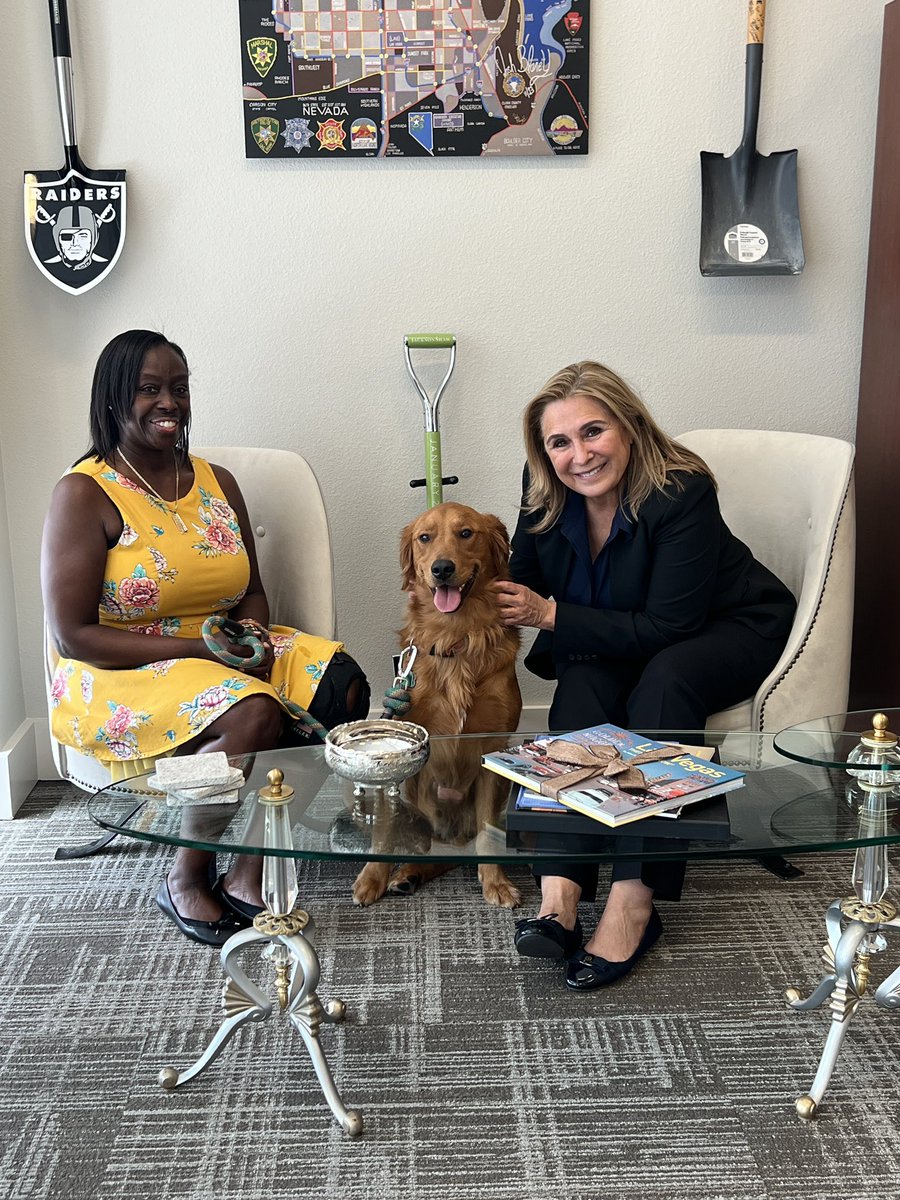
457	648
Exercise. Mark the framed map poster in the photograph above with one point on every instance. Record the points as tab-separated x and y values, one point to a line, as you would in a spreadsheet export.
414	78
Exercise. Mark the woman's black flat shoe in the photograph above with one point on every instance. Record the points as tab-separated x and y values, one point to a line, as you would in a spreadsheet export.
544	937
588	971
211	933
241	908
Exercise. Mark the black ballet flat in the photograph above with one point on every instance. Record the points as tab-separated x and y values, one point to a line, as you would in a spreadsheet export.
240	908
210	933
588	971
544	937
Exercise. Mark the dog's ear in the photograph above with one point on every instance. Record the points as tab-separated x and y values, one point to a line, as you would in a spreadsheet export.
499	544
407	566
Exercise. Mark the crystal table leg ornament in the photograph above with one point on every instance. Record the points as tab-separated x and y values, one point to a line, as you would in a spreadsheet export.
296	966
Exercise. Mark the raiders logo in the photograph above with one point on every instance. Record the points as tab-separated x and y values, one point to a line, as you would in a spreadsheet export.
75	227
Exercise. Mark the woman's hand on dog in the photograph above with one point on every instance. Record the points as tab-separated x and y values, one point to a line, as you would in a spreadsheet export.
521	606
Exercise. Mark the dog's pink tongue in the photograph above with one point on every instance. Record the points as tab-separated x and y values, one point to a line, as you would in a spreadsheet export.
447	599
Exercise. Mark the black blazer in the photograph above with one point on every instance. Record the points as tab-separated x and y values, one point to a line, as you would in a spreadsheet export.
681	570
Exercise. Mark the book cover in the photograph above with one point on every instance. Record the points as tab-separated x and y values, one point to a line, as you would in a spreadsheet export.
530	813
668	784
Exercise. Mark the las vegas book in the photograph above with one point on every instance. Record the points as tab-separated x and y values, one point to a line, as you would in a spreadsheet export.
529	813
668	783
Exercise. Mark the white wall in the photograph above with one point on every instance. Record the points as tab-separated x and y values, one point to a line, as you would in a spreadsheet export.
18	763
290	284
12	700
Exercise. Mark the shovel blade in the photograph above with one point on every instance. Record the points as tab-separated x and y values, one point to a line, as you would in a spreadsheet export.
74	224
751	217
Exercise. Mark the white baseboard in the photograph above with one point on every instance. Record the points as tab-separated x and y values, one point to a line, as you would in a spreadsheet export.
18	769
534	718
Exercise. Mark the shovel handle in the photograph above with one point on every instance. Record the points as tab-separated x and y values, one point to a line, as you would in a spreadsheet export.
65	88
433	476
59	29
756	22
430	341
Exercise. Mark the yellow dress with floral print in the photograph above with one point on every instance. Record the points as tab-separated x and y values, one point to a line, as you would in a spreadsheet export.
162	582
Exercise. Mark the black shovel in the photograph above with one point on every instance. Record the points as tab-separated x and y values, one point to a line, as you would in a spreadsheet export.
751	219
74	218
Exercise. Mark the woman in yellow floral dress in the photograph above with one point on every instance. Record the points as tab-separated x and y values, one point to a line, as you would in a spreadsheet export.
144	539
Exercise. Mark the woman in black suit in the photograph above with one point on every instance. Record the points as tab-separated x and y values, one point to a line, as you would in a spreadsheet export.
652	615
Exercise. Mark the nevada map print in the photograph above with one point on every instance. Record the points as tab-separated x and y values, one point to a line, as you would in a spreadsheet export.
414	78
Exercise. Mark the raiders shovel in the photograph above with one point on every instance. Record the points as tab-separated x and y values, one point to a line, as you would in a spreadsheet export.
74	218
751	219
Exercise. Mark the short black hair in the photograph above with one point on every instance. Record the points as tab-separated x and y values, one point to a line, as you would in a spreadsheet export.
116	378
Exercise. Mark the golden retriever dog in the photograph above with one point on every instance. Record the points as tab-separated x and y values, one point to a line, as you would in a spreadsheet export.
465	682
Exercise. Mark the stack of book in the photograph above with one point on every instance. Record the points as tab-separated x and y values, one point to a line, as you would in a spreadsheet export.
686	776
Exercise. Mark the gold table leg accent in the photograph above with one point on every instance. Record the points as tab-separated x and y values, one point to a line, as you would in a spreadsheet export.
273	926
875	912
282	983
862	972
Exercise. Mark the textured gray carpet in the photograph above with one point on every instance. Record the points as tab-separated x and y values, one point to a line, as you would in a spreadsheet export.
478	1074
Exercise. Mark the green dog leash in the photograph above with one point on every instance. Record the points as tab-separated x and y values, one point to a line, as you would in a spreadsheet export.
250	636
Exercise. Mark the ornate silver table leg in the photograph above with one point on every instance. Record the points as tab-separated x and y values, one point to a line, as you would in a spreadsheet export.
242	1002
295	962
854	928
845	985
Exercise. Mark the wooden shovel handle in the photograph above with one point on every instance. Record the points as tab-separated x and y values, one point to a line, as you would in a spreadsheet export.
756	22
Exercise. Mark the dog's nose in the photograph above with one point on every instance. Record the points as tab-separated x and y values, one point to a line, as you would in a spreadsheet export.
443	569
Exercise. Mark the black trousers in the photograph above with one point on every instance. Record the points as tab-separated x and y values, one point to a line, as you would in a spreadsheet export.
676	690
329	704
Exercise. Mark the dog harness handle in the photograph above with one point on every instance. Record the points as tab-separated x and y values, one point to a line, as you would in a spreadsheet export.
397	701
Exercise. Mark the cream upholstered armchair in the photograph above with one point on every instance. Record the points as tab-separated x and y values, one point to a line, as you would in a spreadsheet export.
293	544
789	497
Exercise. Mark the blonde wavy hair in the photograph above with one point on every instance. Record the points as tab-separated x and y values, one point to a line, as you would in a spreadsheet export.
655	457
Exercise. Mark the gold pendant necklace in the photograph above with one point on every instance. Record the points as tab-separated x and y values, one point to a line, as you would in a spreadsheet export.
171	509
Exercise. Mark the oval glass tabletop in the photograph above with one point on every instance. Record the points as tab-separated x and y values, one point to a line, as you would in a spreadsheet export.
829	741
786	808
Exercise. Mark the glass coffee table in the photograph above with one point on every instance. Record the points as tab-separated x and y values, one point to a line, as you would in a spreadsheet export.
292	807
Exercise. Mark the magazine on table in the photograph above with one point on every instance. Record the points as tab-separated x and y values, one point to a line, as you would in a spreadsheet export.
673	777
530	813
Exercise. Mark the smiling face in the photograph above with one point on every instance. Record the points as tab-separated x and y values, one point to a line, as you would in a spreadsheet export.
587	448
450	551
162	403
